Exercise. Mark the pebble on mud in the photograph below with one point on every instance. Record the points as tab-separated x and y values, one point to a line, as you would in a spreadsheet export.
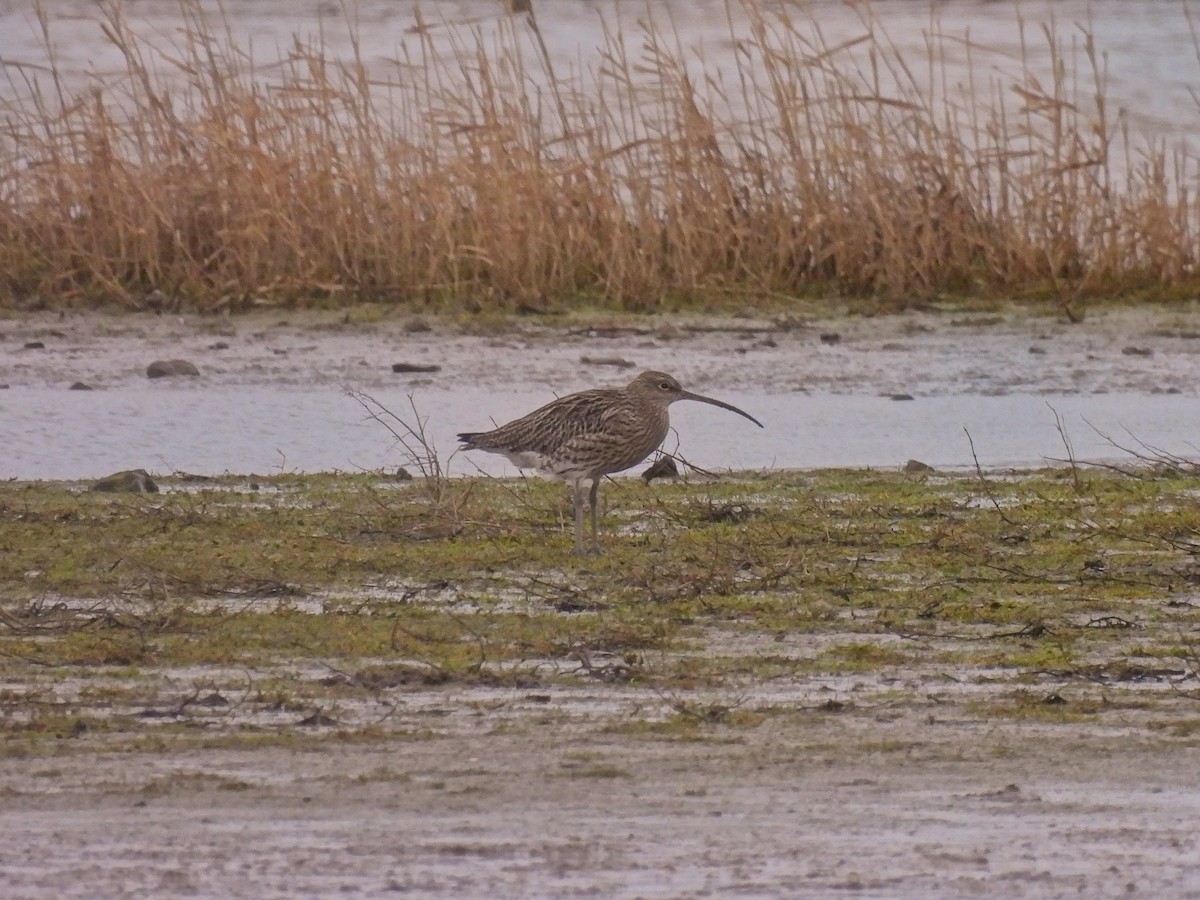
615	361
131	481
403	367
915	466
169	368
318	720
663	467
80	386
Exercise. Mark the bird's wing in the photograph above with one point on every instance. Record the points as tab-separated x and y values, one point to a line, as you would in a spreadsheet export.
618	441
545	430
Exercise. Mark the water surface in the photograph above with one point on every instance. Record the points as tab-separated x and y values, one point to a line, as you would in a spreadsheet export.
48	433
1144	52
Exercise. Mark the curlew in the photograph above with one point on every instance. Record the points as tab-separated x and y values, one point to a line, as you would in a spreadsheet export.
585	436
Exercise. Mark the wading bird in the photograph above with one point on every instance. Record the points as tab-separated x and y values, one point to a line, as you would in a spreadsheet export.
585	436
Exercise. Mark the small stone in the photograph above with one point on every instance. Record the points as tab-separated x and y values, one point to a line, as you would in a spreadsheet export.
318	720
402	474
831	337
901	396
219	345
1137	351
34	345
1038	351
914	466
663	467
80	386
614	361
414	367
131	481
169	368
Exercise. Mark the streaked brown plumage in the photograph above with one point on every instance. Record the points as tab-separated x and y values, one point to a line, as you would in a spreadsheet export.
585	436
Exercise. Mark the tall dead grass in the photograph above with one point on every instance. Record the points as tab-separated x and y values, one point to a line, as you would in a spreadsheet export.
471	173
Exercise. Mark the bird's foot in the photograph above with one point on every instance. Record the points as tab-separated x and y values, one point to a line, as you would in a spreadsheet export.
593	550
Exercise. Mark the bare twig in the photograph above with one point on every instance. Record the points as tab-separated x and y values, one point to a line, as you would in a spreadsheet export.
987	491
1066	439
414	440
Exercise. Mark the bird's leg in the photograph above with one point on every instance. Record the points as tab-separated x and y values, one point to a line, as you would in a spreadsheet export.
592	497
594	549
579	516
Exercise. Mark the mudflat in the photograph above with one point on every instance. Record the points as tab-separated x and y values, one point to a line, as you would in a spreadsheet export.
774	683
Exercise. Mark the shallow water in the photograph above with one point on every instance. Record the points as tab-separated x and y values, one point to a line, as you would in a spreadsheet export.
273	393
1146	50
263	429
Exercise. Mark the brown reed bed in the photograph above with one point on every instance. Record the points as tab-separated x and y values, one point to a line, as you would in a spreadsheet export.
472	175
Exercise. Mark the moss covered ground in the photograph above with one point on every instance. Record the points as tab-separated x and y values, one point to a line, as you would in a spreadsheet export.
246	611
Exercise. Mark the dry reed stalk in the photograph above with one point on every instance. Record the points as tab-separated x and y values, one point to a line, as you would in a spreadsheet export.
472	173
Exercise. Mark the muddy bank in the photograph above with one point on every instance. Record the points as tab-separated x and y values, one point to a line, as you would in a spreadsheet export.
1146	350
897	802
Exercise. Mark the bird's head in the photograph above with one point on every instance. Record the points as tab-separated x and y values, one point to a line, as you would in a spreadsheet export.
662	389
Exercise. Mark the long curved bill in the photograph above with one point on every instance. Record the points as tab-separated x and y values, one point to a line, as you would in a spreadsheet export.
688	395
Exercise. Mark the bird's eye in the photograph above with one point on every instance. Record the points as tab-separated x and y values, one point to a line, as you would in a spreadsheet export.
664	385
